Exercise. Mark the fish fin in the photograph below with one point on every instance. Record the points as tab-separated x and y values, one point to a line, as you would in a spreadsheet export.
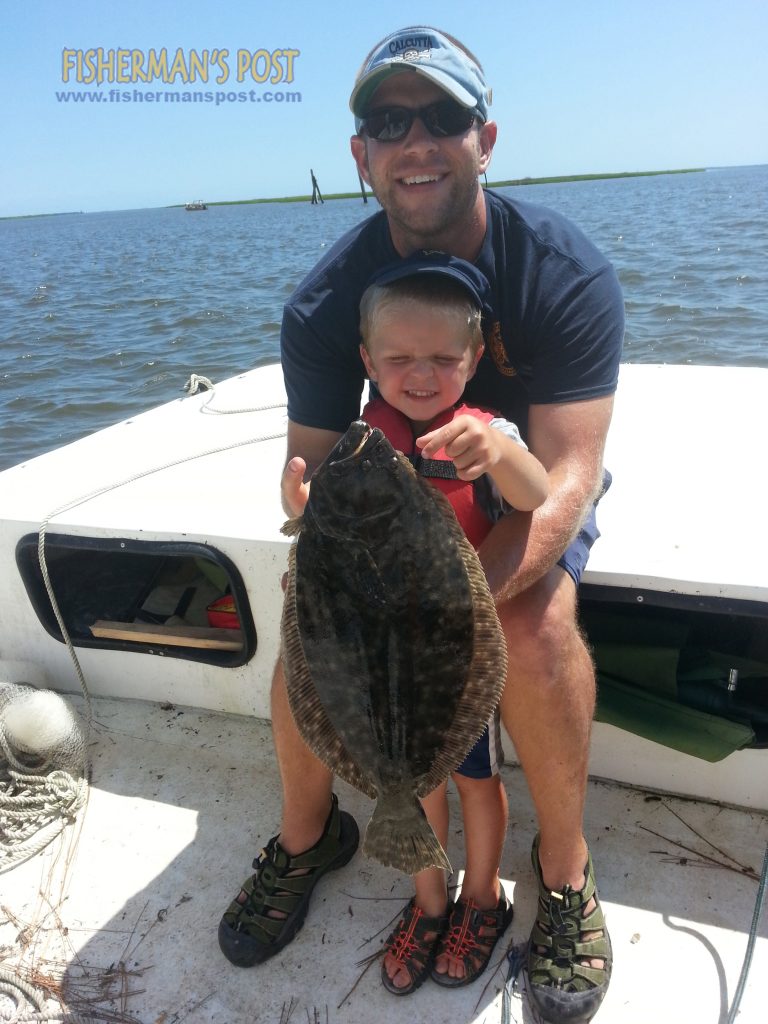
315	727
488	667
400	836
292	527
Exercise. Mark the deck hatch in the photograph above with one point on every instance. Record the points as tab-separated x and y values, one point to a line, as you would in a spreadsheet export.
687	671
176	599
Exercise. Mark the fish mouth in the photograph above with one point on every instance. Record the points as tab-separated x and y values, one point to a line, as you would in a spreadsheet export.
358	437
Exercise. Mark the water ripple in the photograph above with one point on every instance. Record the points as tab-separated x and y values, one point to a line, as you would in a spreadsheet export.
104	315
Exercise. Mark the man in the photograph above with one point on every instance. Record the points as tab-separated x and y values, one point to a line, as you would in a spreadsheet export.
423	138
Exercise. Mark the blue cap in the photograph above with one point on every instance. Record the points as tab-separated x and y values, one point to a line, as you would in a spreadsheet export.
429	53
433	262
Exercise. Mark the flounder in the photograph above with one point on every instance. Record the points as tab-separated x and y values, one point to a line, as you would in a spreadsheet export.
393	654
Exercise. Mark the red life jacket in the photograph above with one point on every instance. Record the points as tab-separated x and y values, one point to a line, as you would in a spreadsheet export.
439	470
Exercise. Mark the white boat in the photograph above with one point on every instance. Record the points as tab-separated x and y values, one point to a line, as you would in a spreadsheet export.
166	513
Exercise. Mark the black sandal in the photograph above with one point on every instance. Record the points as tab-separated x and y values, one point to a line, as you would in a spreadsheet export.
248	934
413	943
471	938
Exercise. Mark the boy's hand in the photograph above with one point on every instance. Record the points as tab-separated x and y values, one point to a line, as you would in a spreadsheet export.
468	442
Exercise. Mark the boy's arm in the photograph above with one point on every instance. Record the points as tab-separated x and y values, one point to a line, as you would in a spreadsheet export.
519	476
476	448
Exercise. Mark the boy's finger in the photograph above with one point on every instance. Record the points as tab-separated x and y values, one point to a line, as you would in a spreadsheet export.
434	440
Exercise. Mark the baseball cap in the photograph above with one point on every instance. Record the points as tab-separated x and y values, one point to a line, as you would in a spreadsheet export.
443	264
430	53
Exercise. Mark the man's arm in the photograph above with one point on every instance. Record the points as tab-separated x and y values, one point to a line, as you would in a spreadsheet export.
306	449
569	440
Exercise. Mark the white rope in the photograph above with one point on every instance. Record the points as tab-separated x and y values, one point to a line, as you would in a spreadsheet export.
34	809
24	1004
198	384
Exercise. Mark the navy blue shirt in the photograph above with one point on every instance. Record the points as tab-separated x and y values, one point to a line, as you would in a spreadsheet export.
555	333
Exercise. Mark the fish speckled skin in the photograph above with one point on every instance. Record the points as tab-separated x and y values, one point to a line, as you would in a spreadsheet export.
393	654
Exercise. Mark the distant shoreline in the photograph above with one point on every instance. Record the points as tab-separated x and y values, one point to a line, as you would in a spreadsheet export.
491	184
356	195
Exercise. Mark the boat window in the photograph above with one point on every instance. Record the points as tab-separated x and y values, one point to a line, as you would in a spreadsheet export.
179	600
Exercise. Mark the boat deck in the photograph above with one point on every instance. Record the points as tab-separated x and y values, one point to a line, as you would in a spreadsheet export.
183	799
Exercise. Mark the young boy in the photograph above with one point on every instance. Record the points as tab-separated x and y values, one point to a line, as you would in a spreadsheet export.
422	340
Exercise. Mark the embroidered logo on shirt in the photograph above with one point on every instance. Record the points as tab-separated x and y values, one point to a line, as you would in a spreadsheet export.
499	353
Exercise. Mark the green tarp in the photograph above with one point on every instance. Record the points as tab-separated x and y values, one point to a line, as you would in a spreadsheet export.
665	721
655	679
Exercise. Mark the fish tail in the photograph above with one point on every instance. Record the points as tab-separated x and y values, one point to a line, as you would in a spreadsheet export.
402	838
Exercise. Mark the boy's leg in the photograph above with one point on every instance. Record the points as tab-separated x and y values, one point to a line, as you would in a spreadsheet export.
431	893
485	814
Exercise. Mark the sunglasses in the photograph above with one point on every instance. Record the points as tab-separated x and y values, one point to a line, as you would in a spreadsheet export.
443	119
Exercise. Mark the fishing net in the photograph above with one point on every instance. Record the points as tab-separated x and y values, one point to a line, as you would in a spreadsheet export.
43	770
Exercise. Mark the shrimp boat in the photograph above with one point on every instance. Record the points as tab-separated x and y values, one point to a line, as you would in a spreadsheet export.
162	558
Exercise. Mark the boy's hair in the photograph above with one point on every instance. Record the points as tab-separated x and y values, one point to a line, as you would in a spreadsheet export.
443	293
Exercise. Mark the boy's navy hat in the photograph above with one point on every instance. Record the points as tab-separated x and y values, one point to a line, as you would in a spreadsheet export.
429	53
441	264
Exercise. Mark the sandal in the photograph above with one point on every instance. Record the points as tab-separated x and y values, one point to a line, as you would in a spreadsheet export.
248	934
471	938
413	943
564	987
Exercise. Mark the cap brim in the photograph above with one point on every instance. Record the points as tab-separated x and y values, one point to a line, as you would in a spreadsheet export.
468	276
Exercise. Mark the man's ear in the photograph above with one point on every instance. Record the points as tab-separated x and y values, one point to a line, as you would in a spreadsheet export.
360	153
486	141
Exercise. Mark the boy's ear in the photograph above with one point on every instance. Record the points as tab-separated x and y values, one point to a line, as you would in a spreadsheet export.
370	369
477	357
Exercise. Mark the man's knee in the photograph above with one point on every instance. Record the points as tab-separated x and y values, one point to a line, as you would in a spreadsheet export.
540	624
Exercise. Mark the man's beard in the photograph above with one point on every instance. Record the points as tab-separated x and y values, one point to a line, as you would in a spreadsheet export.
428	227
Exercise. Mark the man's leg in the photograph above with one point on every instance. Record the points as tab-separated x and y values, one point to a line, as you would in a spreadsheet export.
305	780
547	708
315	837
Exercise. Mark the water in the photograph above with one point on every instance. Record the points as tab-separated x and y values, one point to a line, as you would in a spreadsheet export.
104	315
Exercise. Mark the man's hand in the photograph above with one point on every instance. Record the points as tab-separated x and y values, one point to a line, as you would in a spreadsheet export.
471	445
314	444
292	487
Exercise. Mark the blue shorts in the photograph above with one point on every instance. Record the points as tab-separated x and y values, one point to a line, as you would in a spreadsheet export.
486	757
576	555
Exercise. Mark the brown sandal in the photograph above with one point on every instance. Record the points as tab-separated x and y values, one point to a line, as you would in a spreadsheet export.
471	938
413	943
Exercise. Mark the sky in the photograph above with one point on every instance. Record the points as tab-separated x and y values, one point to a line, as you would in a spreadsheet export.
578	87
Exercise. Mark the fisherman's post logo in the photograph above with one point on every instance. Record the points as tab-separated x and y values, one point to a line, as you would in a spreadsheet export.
96	66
